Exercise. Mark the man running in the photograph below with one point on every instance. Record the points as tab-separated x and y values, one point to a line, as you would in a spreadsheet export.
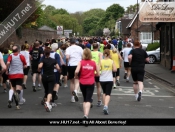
36	53
15	63
97	57
73	57
137	58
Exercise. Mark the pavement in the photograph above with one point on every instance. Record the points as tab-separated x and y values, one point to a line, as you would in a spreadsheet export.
161	72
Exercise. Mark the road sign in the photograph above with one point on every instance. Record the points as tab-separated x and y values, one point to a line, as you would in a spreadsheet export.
67	31
59	30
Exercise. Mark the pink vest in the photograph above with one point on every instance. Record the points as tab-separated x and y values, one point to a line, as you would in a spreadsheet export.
87	72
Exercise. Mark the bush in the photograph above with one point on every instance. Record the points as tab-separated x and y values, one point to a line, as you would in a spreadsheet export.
153	46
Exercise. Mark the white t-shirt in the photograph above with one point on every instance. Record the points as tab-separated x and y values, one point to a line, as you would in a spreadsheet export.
27	57
75	52
126	52
1	55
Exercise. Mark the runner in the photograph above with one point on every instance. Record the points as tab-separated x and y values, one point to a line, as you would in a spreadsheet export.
125	52
117	59
64	67
97	57
47	65
86	68
137	58
4	75
35	54
73	57
106	79
26	70
15	63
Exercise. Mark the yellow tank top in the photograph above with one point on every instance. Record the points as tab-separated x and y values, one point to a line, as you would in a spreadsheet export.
115	58
58	51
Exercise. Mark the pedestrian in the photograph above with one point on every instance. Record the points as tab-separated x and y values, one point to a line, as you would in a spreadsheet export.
125	52
4	75
87	68
64	67
137	58
107	66
117	59
35	56
120	45
47	65
73	57
97	57
15	63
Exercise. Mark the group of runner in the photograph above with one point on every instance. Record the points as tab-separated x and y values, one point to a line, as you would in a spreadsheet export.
86	63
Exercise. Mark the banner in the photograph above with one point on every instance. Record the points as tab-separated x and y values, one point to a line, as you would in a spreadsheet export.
60	30
157	12
89	122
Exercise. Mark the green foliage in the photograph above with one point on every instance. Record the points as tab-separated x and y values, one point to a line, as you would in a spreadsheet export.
60	11
90	25
153	46
131	8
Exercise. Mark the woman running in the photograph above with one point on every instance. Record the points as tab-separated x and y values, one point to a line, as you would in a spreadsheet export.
86	68
106	78
47	65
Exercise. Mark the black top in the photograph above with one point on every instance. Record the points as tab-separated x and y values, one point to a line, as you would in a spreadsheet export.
48	66
36	53
138	58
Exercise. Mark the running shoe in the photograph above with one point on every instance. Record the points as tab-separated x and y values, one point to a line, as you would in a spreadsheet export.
114	86
75	96
118	83
54	104
105	111
24	86
18	107
9	104
5	90
99	103
85	117
127	80
65	86
39	87
48	107
21	102
34	89
72	100
125	75
139	96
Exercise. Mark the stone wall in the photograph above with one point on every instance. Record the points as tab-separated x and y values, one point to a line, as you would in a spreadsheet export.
30	35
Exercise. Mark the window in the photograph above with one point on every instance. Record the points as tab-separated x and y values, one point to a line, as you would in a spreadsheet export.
146	37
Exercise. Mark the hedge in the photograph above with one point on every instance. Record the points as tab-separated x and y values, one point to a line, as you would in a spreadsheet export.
153	46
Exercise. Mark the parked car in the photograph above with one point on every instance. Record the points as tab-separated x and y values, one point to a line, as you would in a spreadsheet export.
154	56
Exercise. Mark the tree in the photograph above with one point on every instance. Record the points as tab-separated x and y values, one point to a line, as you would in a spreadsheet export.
60	11
131	9
90	25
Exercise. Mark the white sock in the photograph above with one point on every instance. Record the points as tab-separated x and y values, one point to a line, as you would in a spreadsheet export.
75	91
141	91
33	84
21	95
11	94
39	85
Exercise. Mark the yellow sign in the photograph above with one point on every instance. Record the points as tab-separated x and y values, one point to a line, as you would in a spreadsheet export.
157	12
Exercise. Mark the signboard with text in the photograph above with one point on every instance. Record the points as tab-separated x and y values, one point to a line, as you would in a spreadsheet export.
157	12
60	30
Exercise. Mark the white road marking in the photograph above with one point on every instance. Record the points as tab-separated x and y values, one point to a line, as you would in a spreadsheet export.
161	99
171	107
156	87
150	82
156	91
148	105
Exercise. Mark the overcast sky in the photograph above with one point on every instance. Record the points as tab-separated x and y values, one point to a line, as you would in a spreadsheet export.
84	5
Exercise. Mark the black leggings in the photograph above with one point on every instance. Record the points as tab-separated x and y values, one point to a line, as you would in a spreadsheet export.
107	87
48	83
87	91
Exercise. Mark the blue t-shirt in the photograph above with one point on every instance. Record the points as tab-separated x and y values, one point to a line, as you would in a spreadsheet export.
114	42
88	45
5	58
